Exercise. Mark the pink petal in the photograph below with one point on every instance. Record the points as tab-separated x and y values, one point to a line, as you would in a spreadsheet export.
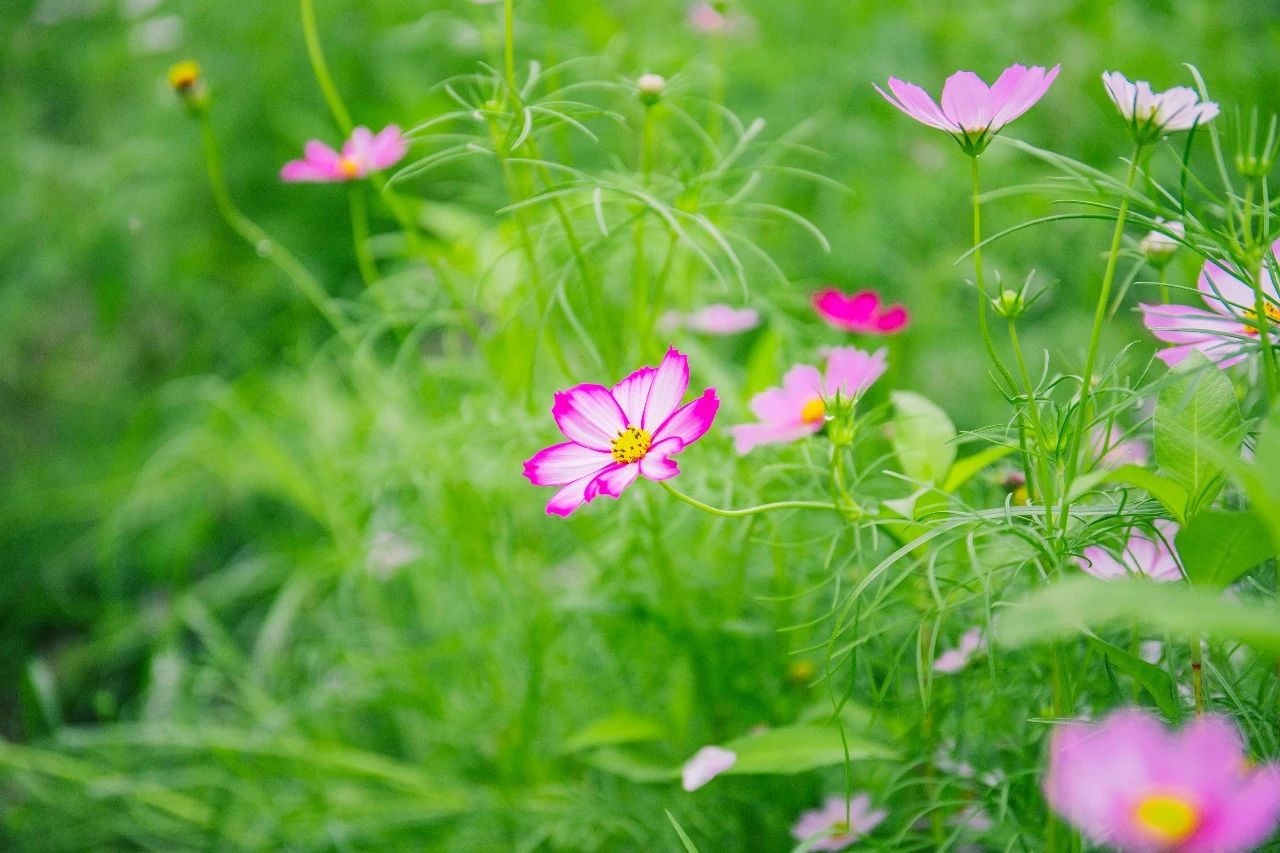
966	101
846	310
612	481
561	464
1030	89
776	406
669	385
572	496
893	320
851	371
589	415
915	102
690	421
748	436
358	146
1245	819
1098	562
802	383
320	154
305	171
657	464
632	393
723	320
705	765
1222	291
387	148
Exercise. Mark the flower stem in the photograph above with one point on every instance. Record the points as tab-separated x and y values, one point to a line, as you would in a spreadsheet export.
1257	262
509	48
360	235
754	510
978	280
1164	286
1197	674
320	68
640	308
1031	415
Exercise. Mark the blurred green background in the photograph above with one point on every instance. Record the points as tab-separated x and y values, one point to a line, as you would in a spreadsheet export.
254	597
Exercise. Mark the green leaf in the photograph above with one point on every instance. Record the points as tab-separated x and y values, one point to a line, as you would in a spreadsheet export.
1158	683
614	729
631	766
689	846
965	469
922	437
1218	546
1170	493
796	749
1196	413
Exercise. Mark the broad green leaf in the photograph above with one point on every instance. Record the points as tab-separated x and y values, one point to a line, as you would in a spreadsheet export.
1195	413
631	766
762	363
615	729
1158	684
1219	546
795	749
1170	493
922	437
965	469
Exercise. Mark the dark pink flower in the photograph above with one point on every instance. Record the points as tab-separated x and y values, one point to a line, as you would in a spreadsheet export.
972	112
1131	784
621	433
363	153
860	312
1227	332
838	824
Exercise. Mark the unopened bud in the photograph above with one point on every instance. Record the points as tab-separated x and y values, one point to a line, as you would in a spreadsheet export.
1253	166
1009	304
1159	247
650	87
188	84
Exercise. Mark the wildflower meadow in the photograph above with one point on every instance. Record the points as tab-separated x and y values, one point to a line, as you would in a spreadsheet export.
684	425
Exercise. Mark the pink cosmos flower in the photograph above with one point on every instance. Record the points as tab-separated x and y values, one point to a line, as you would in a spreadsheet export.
1152	115
618	434
363	153
715	18
1144	555
717	319
1131	784
1113	450
860	312
954	660
1225	333
972	112
838	823
798	408
706	764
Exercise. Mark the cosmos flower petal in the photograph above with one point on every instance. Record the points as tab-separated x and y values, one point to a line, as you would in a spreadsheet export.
691	421
966	101
851	371
915	102
1247	818
747	437
657	464
612	481
670	382
705	765
561	464
571	496
633	392
589	415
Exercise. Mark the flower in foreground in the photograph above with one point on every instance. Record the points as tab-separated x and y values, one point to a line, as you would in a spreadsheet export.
717	319
706	764
860	312
1132	784
621	433
954	660
1152	115
1144	555
799	407
972	112
838	823
1225	333
363	153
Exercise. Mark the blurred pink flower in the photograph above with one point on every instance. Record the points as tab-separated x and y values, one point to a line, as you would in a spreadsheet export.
1226	332
1113	450
860	312
972	112
798	408
618	434
954	660
838	824
714	18
718	319
363	153
705	765
1131	784
1146	555
1152	115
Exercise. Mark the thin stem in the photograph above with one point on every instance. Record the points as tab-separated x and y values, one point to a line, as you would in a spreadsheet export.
1197	674
320	68
979	282
1257	260
509	48
640	308
1164	285
1032	415
360	234
754	510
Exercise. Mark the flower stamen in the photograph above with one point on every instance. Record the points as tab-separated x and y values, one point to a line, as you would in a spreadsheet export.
1167	818
813	411
631	445
349	167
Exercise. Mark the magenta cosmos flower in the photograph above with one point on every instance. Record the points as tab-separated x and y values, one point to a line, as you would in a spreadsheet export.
860	312
1144	555
799	407
1131	784
363	153
972	112
618	434
1226	333
838	823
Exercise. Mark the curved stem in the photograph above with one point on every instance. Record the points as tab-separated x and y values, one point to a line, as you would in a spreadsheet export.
979	282
754	510
320	68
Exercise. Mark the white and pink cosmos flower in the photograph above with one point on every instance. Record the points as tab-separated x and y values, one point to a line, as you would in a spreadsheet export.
619	434
1131	784
1144	555
365	152
1229	331
838	824
799	407
863	312
971	111
1151	114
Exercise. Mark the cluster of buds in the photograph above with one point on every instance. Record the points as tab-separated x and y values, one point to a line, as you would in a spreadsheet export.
1255	159
188	84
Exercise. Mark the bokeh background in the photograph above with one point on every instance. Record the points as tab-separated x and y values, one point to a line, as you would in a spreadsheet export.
254	597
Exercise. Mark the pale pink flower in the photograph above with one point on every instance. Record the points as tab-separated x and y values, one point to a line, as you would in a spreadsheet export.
839	823
972	112
716	19
1131	784
860	312
1144	555
1228	332
618	434
705	765
1112	449
717	319
1152	115
954	660
799	408
362	154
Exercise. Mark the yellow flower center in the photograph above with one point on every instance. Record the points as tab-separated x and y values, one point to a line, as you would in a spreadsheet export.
631	445
1167	818
348	167
813	411
1272	313
184	75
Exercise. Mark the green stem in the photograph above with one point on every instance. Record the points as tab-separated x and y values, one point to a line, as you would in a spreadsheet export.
320	68
755	510
640	308
360	234
509	48
1164	285
1032	415
1257	261
1197	674
979	281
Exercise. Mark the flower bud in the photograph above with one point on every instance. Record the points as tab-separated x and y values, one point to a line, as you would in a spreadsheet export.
1253	166
1158	247
188	84
841	424
650	87
1009	304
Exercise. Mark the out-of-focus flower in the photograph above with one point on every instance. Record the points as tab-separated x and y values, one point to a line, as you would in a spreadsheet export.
1151	115
954	660
801	671
188	84
1015	483
1158	247
1143	555
839	823
650	87
1112	449
863	312
621	433
1227	332
799	407
973	817
706	764
363	153
1131	784
973	112
717	319
388	553
715	18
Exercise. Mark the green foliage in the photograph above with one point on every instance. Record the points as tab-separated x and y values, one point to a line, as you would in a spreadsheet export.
923	437
1219	546
1195	414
